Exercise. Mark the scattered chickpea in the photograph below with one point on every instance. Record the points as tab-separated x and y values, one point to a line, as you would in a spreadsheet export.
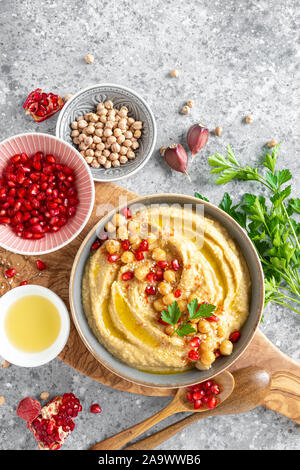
185	110
249	119
2	400
272	143
174	73
218	131
89	58
190	103
4	364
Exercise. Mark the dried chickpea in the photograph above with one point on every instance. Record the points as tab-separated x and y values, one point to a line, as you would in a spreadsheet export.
89	153
100	106
95	163
115	163
130	155
76	140
99	132
137	125
226	347
185	110
74	125
122	113
107	164
168	299
117	132
111	140
75	133
82	146
127	143
103	119
82	124
100	146
96	139
169	276
130	121
120	139
218	131
107	132
89	58
174	73
249	119
115	147
272	143
109	124
102	160
106	153
103	112
98	154
113	157
135	145
123	150
99	125
137	134
90	130
190	103
158	305
123	159
88	140
127	257
128	135
141	272
158	254
108	104
89	159
164	288
112	246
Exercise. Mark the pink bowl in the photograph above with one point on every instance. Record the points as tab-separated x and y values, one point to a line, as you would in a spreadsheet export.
66	154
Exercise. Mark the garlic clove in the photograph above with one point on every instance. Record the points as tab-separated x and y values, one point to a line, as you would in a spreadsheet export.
197	137
176	157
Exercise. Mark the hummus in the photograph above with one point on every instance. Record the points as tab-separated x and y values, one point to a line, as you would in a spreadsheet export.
155	258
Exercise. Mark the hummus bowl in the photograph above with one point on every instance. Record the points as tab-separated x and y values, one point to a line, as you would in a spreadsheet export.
117	306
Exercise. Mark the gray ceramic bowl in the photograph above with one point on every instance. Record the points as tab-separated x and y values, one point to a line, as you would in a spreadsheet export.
194	375
85	101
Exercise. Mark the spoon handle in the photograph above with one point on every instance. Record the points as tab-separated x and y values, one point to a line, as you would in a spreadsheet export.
119	440
151	442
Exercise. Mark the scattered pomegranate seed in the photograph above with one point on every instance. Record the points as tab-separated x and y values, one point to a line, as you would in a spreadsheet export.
113	258
97	243
151	277
23	283
150	290
41	105
175	264
213	318
177	293
125	245
235	336
95	408
40	265
144	246
127	212
127	276
212	403
197	404
163	264
195	342
193	355
139	255
9	273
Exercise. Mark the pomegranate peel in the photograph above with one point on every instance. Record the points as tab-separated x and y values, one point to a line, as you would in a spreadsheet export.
28	409
42	106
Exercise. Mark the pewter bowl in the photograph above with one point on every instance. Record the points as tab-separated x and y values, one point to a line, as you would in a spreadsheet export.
85	101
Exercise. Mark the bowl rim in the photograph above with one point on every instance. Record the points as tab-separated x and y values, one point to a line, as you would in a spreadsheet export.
65	107
237	227
51	250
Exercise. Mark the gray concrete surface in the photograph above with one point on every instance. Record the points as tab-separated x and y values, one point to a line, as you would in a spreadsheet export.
234	58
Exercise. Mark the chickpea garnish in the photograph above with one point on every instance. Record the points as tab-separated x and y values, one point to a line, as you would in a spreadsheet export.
112	246
158	254
169	299
141	272
164	288
207	358
89	58
158	305
127	257
226	347
169	276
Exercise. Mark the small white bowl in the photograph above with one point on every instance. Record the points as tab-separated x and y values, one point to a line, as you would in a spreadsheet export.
21	358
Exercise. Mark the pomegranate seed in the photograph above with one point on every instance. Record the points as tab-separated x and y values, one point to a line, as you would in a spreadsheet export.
193	355
177	293
9	273
205	399
151	277
95	408
197	404
125	245
150	290
212	403
215	389
144	246
212	318
189	397
40	265
113	258
195	342
175	264
127	276
97	243
163	264
198	395
207	385
23	283
4	220
235	336
139	255
217	353
159	274
127	212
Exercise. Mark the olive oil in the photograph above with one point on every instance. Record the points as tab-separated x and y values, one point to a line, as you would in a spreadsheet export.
32	323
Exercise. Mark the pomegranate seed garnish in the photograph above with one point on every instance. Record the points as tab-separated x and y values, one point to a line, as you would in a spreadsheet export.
139	255
97	243
175	264
193	355
235	336
40	265
113	258
212	318
127	276
212	403
150	290
9	273
163	264
125	245
159	274
127	212
177	293
197	404
195	342
144	246
23	283
151	277
95	408
215	389
217	353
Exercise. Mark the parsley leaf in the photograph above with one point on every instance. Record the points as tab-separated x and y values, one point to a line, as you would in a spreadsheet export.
171	315
185	329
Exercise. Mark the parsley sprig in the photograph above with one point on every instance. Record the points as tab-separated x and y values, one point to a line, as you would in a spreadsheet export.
270	224
173	314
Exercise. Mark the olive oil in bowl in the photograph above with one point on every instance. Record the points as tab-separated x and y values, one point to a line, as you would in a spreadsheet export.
32	323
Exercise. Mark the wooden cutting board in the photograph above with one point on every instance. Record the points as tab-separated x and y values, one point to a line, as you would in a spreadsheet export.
285	391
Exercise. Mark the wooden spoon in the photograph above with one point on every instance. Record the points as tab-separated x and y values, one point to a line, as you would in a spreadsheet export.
252	385
177	405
